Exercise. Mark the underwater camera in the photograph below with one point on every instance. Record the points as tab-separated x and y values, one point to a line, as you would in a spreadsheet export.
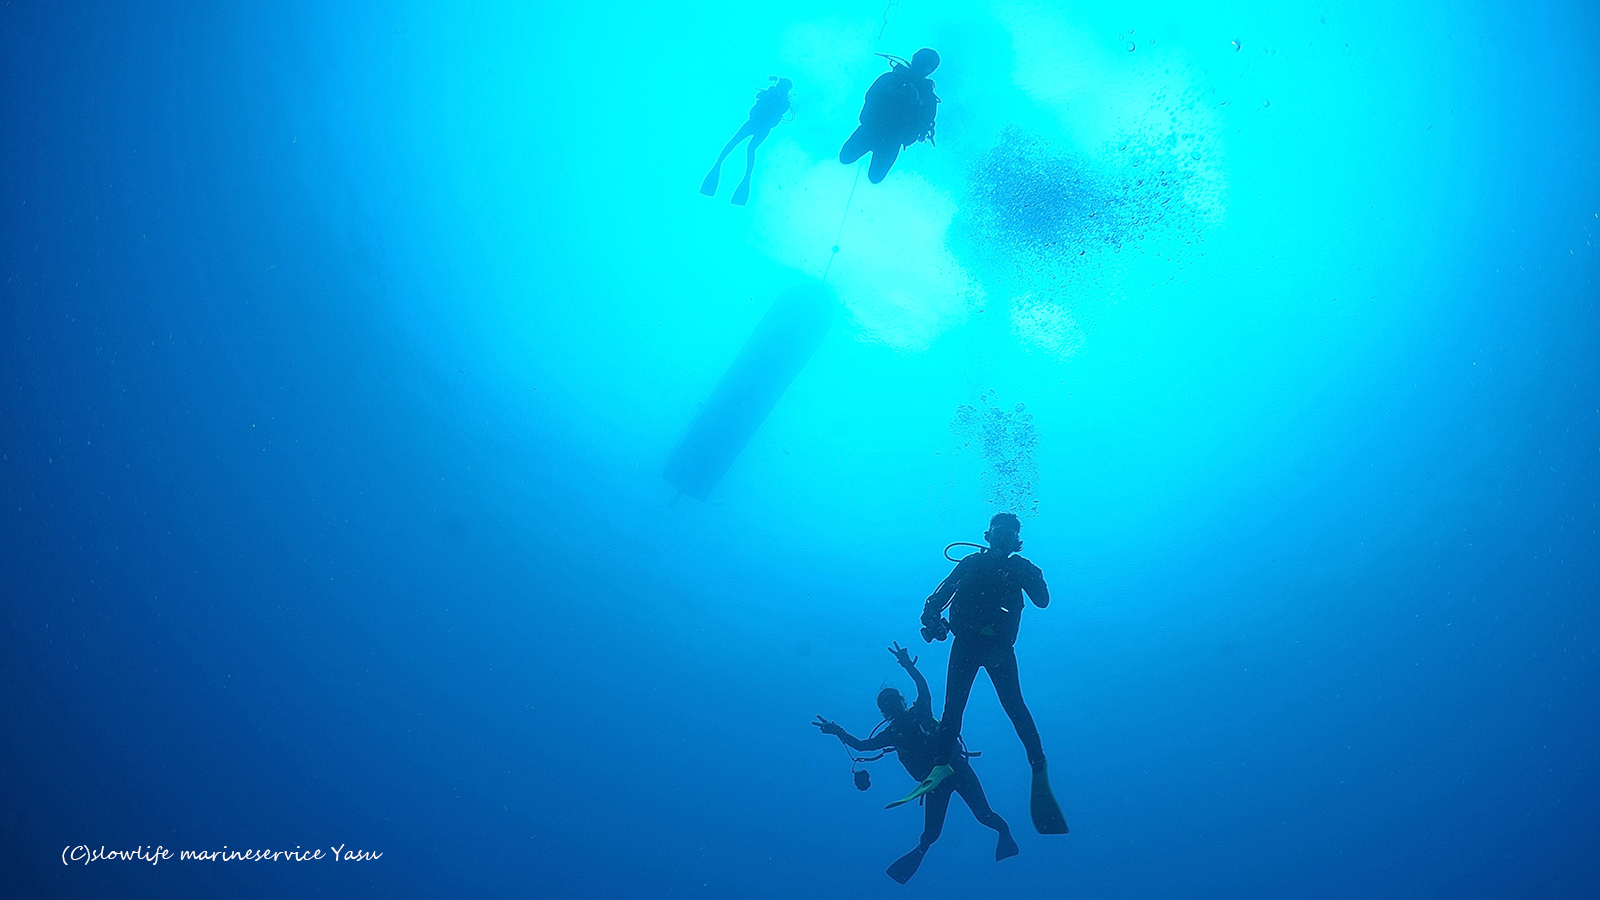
938	631
863	779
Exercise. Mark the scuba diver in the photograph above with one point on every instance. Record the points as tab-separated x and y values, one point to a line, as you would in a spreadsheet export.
898	112
913	734
772	104
984	594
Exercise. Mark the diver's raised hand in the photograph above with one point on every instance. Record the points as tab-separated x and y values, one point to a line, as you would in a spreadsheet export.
828	727
902	655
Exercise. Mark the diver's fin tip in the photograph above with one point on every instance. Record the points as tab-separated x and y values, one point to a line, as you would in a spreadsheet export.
906	866
939	773
1042	805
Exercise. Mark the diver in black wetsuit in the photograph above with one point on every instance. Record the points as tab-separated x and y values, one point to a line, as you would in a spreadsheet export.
984	594
913	734
771	105
899	111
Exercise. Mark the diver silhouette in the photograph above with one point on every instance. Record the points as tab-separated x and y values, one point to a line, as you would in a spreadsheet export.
771	105
913	735
898	111
984	593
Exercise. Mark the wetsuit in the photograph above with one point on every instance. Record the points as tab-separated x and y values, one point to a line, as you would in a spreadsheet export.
985	596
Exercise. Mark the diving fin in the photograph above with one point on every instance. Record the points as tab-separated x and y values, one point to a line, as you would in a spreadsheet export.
938	774
741	194
903	868
1047	817
709	186
1006	847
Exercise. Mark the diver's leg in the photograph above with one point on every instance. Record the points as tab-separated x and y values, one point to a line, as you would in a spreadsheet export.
935	804
756	137
856	146
882	158
903	868
971	790
742	192
957	688
709	185
1001	661
744	131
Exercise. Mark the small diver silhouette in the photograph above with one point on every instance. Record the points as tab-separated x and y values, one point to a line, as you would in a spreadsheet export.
771	105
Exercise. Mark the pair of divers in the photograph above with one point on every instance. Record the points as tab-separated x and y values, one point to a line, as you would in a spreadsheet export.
984	594
899	110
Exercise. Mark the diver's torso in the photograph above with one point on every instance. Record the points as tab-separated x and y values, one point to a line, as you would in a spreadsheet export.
988	602
916	742
898	102
771	104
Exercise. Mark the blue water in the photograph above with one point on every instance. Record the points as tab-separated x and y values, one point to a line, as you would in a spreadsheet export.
344	345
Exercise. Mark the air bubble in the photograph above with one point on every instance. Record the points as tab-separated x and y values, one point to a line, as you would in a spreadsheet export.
1007	441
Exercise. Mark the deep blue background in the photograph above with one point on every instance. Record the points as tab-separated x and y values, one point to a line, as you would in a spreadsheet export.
331	510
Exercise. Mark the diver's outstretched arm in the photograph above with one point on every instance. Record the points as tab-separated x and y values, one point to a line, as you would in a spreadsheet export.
848	739
855	743
909	663
924	696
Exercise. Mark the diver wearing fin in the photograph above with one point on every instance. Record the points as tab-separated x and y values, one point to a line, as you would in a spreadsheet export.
771	105
913	734
898	111
984	593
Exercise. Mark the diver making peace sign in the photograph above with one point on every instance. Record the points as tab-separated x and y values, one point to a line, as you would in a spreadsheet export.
913	734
